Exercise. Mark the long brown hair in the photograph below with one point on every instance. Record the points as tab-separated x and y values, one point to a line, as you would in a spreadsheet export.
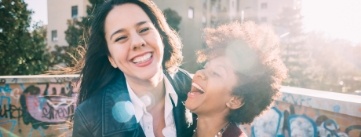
98	72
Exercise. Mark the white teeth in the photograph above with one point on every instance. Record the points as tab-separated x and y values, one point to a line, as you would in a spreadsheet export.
197	86
142	58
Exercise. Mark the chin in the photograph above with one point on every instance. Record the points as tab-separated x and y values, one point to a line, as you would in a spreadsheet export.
189	106
150	73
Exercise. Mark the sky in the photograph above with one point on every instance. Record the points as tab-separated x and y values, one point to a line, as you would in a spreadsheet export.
39	7
336	18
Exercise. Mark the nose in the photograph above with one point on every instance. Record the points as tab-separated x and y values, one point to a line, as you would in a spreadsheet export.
137	41
200	74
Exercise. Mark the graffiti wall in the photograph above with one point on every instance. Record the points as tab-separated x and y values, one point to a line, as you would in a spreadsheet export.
42	106
307	113
36	105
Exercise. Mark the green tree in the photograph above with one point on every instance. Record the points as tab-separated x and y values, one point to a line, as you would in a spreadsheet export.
173	18
336	62
76	35
23	52
293	48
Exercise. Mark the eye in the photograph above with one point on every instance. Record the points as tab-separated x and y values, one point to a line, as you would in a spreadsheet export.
120	38
214	73
144	30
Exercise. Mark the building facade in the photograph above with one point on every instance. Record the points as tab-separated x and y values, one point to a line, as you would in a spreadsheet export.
198	14
190	28
59	13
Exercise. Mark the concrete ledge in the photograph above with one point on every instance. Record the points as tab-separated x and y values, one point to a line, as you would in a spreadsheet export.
323	100
37	79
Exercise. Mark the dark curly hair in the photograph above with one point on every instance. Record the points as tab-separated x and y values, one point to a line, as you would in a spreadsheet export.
97	70
254	51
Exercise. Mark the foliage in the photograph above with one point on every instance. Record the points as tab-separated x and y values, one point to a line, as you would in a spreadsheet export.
336	63
315	61
173	18
23	52
76	35
293	48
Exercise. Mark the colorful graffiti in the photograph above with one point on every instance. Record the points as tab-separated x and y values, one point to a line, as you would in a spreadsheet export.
36	106
295	115
43	105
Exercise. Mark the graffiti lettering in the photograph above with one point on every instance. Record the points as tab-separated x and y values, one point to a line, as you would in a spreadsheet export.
10	111
2	81
15	94
5	88
60	113
15	80
60	80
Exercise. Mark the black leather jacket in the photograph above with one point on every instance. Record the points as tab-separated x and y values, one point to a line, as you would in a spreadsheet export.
102	116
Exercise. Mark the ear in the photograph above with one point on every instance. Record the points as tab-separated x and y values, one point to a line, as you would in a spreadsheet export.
112	62
235	102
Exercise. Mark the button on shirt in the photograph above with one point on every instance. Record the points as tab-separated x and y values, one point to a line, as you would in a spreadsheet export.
145	118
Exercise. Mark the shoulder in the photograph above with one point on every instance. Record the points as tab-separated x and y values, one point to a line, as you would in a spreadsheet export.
181	77
181	80
86	121
96	101
179	74
234	131
95	114
85	111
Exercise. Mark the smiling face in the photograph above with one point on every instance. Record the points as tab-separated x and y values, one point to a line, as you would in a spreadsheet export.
212	87
134	43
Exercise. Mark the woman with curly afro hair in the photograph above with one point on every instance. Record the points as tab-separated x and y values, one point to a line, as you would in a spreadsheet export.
241	78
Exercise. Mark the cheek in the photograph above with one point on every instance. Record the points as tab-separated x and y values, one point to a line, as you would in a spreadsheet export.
156	40
158	43
221	89
118	53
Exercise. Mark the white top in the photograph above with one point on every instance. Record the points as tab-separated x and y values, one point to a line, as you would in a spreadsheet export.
145	118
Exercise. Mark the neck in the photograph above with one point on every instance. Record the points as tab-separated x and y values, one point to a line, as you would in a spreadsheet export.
210	126
152	89
143	87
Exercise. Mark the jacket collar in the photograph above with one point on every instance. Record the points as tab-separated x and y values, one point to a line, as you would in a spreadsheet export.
118	114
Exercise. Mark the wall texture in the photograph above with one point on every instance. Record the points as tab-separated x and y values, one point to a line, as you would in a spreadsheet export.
42	106
36	106
305	112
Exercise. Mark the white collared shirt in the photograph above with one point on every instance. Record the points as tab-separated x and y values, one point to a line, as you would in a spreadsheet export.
145	118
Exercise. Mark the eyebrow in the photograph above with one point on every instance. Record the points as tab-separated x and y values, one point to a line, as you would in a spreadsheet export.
121	30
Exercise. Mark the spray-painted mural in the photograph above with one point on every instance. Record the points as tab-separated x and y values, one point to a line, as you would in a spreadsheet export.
299	114
42	106
36	106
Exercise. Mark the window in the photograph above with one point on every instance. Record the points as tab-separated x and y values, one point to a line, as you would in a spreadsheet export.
264	5
54	35
190	12
74	11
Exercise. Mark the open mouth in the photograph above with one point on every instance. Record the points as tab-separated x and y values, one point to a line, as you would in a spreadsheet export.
141	59
196	89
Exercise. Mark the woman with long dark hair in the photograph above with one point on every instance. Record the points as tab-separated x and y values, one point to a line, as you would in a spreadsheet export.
131	84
